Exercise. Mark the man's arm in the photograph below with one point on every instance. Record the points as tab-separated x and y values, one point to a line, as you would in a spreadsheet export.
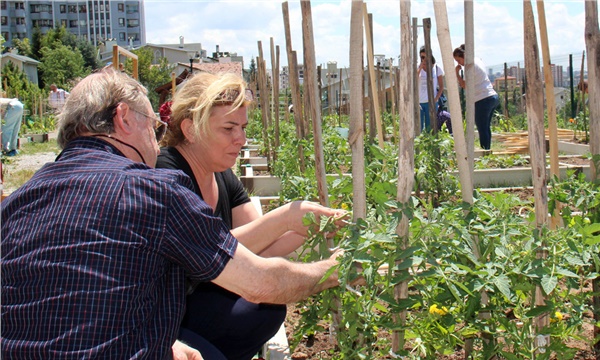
275	280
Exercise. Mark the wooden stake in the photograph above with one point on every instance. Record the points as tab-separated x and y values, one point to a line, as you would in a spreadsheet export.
275	95
370	59
406	161
310	86
357	131
535	121
592	45
550	102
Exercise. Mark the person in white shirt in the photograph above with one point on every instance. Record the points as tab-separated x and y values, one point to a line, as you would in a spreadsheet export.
57	98
486	98
438	88
12	116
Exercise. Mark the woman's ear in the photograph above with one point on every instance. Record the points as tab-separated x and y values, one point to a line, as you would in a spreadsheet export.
187	128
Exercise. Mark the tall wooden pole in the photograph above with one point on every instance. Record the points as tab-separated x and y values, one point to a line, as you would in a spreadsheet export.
430	89
470	85
592	46
276	90
443	33
370	59
293	73
550	101
310	86
406	155
535	122
414	56
357	131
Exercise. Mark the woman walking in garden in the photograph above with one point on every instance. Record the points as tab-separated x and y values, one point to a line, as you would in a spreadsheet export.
207	123
438	88
486	98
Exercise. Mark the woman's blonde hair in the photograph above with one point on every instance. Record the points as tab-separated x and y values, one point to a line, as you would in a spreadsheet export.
196	98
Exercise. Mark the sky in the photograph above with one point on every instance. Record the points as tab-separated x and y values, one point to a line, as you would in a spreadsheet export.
237	26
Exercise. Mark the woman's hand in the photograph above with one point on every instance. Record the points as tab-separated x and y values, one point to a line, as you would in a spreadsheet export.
182	351
298	209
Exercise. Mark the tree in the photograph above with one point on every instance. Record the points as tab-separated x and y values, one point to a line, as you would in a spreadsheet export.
23	46
18	85
150	75
61	64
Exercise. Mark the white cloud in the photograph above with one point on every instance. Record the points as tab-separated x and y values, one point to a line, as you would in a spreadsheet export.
237	26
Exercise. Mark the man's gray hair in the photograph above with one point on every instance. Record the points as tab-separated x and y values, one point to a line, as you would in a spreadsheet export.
92	104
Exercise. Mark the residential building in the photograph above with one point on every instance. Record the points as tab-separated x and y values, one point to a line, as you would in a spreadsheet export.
505	83
97	21
26	64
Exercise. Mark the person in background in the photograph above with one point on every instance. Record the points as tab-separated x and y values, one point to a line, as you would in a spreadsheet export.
486	98
207	125
12	117
99	248
57	98
438	88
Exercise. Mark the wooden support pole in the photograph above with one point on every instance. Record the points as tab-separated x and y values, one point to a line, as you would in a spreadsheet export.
443	33
592	46
370	58
505	90
277	101
550	101
406	157
470	86
415	76
293	73
535	121
117	50
357	131
173	84
310	86
430	89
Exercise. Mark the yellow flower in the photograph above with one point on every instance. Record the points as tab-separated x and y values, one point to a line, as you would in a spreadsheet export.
557	317
344	206
433	309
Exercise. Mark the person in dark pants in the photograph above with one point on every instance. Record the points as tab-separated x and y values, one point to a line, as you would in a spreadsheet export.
207	121
486	98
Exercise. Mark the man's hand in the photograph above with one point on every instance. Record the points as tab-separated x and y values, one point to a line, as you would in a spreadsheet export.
182	351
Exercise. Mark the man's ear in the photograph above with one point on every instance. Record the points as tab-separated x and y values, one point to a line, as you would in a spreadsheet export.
121	122
187	128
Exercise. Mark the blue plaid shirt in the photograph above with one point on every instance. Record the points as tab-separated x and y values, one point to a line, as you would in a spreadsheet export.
96	254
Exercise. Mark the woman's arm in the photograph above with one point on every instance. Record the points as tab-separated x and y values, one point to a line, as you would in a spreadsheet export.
440	88
461	81
278	232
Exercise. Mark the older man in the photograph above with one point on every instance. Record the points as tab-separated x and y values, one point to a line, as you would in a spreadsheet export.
99	248
57	98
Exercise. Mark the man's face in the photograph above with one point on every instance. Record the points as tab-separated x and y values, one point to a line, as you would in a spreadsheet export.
53	88
145	137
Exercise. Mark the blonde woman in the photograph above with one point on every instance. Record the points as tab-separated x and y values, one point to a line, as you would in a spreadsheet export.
206	133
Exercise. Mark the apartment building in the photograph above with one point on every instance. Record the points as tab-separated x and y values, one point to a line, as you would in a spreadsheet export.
96	21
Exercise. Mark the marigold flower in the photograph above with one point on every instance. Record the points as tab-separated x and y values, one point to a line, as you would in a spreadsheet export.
571	120
433	309
558	316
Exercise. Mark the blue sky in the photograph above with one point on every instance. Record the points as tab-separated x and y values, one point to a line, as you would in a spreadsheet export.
237	26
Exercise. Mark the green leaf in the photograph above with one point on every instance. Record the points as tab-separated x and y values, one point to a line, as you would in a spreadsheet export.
549	283
502	282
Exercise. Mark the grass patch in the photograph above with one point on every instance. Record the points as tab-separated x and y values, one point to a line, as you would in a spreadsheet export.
33	148
14	179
